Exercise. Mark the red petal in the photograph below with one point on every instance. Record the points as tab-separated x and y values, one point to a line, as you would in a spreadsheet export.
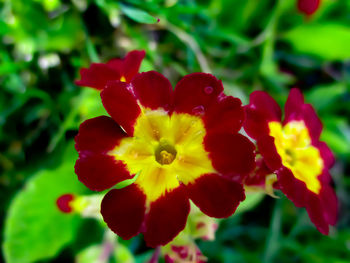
315	212
167	217
330	204
231	154
98	135
129	66
63	203
326	154
123	210
152	89
100	172
293	188
97	76
261	110
196	92
322	208
295	109
215	195
121	104
225	116
267	148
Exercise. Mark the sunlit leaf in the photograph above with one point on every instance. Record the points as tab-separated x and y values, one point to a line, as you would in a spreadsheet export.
35	229
327	41
138	15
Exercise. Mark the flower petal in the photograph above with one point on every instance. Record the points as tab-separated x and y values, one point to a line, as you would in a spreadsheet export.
326	154
321	208
153	90
296	109
167	217
129	66
195	93
215	195
99	171
97	76
261	109
267	148
95	168
121	104
225	116
123	210
231	154
98	135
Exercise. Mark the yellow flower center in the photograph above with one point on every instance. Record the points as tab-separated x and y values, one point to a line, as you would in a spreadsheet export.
165	150
122	79
293	144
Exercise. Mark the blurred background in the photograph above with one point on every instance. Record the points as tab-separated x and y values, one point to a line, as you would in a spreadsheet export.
250	45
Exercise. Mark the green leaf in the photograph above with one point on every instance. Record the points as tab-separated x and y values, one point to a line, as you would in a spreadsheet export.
138	15
35	229
250	202
327	41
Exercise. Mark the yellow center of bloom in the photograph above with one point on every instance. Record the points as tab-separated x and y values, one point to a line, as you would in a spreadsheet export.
293	144
122	79
165	150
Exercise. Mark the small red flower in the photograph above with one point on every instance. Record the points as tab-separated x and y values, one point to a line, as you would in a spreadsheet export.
63	203
181	144
99	74
308	7
293	150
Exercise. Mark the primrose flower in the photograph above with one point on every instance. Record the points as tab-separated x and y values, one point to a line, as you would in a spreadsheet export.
293	150
99	74
181	144
85	205
308	7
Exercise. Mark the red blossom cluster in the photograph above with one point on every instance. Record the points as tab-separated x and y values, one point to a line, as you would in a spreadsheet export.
186	144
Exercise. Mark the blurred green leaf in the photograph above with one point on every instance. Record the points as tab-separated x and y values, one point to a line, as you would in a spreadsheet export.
35	229
250	202
323	97
328	40
90	254
138	15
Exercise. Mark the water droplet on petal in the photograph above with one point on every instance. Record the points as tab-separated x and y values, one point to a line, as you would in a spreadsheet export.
198	110
208	90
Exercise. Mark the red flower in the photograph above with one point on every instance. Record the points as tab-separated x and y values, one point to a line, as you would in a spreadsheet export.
182	144
99	74
308	7
293	150
63	203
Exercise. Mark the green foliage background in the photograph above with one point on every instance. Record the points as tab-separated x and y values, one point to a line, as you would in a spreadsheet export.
250	45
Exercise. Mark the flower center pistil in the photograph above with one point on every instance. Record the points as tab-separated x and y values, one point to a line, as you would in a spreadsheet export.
165	153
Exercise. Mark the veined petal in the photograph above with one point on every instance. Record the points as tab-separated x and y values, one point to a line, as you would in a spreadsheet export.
95	168
261	109
128	66
167	217
216	195
225	116
121	104
195	93
98	135
231	154
124	210
100	171
153	90
97	76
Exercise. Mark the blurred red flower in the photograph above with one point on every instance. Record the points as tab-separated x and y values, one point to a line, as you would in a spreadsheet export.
293	150
308	7
98	74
